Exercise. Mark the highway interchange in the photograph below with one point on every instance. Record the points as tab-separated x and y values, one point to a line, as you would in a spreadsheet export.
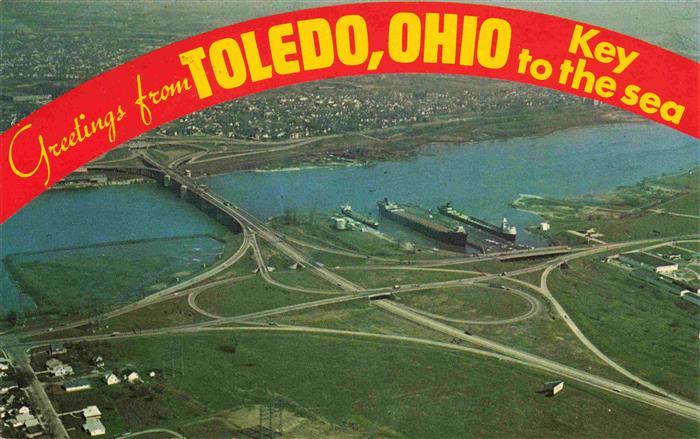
254	231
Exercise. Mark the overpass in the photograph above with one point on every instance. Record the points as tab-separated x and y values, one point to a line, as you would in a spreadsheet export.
235	216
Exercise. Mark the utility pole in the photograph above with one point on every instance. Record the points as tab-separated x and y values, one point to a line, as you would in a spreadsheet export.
174	359
271	419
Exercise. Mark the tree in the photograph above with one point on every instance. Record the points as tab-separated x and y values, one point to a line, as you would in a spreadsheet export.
24	378
11	317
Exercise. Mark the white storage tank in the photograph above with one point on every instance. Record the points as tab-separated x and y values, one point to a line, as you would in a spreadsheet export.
340	223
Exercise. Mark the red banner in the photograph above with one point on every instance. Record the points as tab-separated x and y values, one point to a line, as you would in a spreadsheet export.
346	40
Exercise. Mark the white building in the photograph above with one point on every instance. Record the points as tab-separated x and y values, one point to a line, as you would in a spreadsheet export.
648	262
98	361
131	377
62	370
21	419
6	387
77	386
111	379
91	411
57	368
553	387
340	223
94	427
52	362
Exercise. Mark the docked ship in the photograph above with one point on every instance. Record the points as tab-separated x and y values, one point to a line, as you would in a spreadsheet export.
347	211
422	221
505	231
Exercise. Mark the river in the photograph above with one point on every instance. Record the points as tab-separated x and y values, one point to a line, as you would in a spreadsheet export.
86	217
480	178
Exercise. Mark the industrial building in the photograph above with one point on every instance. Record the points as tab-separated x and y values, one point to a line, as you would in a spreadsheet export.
76	385
83	180
91	411
340	223
94	427
648	262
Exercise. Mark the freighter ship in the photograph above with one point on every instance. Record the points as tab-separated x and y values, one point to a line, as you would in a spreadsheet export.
347	211
505	231
422	221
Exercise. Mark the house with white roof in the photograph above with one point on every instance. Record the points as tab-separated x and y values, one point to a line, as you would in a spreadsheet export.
111	379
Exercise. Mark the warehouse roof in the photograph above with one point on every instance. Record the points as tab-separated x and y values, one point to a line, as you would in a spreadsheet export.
646	258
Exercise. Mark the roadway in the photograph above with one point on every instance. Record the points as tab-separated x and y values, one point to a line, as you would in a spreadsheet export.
249	222
544	290
253	228
43	407
682	408
164	294
534	308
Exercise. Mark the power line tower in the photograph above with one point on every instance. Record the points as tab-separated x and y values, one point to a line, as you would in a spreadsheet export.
96	316
271	419
174	359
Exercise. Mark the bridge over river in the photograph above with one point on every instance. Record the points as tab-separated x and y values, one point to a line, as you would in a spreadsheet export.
241	220
229	214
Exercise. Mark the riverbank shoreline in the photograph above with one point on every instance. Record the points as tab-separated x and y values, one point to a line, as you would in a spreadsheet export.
419	150
407	142
91	185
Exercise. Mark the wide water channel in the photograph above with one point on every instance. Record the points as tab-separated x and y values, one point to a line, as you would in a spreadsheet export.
481	179
80	221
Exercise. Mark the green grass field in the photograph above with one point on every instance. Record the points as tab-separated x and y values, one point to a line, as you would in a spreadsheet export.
669	250
531	278
626	213
171	312
377	278
686	204
331	260
622	214
690	245
474	303
494	266
91	279
316	229
638	226
389	389
173	152
249	295
126	407
303	278
245	266
648	331
358	315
